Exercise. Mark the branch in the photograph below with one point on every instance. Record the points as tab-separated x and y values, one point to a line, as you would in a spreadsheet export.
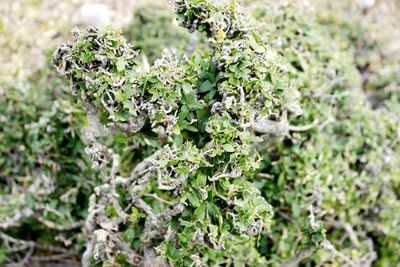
325	244
11	239
143	166
16	218
30	246
57	227
304	128
349	229
296	259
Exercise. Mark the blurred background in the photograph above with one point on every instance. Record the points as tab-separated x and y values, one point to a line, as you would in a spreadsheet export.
30	28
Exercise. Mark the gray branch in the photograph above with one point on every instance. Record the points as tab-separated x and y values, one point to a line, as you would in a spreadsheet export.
296	259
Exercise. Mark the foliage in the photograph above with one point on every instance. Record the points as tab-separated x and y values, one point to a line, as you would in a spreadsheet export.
202	198
270	140
343	166
45	174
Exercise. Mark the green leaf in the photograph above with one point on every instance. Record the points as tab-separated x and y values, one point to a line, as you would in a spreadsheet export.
4	252
281	181
205	86
191	101
200	212
189	127
176	130
121	63
129	235
187	88
258	48
229	148
201	179
213	209
120	96
193	199
120	138
171	252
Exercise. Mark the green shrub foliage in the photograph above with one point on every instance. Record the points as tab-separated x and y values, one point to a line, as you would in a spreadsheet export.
204	206
45	176
269	136
341	166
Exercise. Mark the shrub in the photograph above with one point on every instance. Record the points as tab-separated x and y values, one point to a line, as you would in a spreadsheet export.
195	203
277	144
45	175
358	154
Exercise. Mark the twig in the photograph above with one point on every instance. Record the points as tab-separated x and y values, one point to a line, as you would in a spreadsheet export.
158	199
296	259
57	257
31	246
143	166
346	226
304	128
57	227
16	218
325	244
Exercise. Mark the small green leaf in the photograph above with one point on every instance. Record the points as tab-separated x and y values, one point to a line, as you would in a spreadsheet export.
193	199
129	235
121	63
200	212
120	138
201	179
189	127
186	87
229	148
213	209
171	252
120	96
281	180
206	86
